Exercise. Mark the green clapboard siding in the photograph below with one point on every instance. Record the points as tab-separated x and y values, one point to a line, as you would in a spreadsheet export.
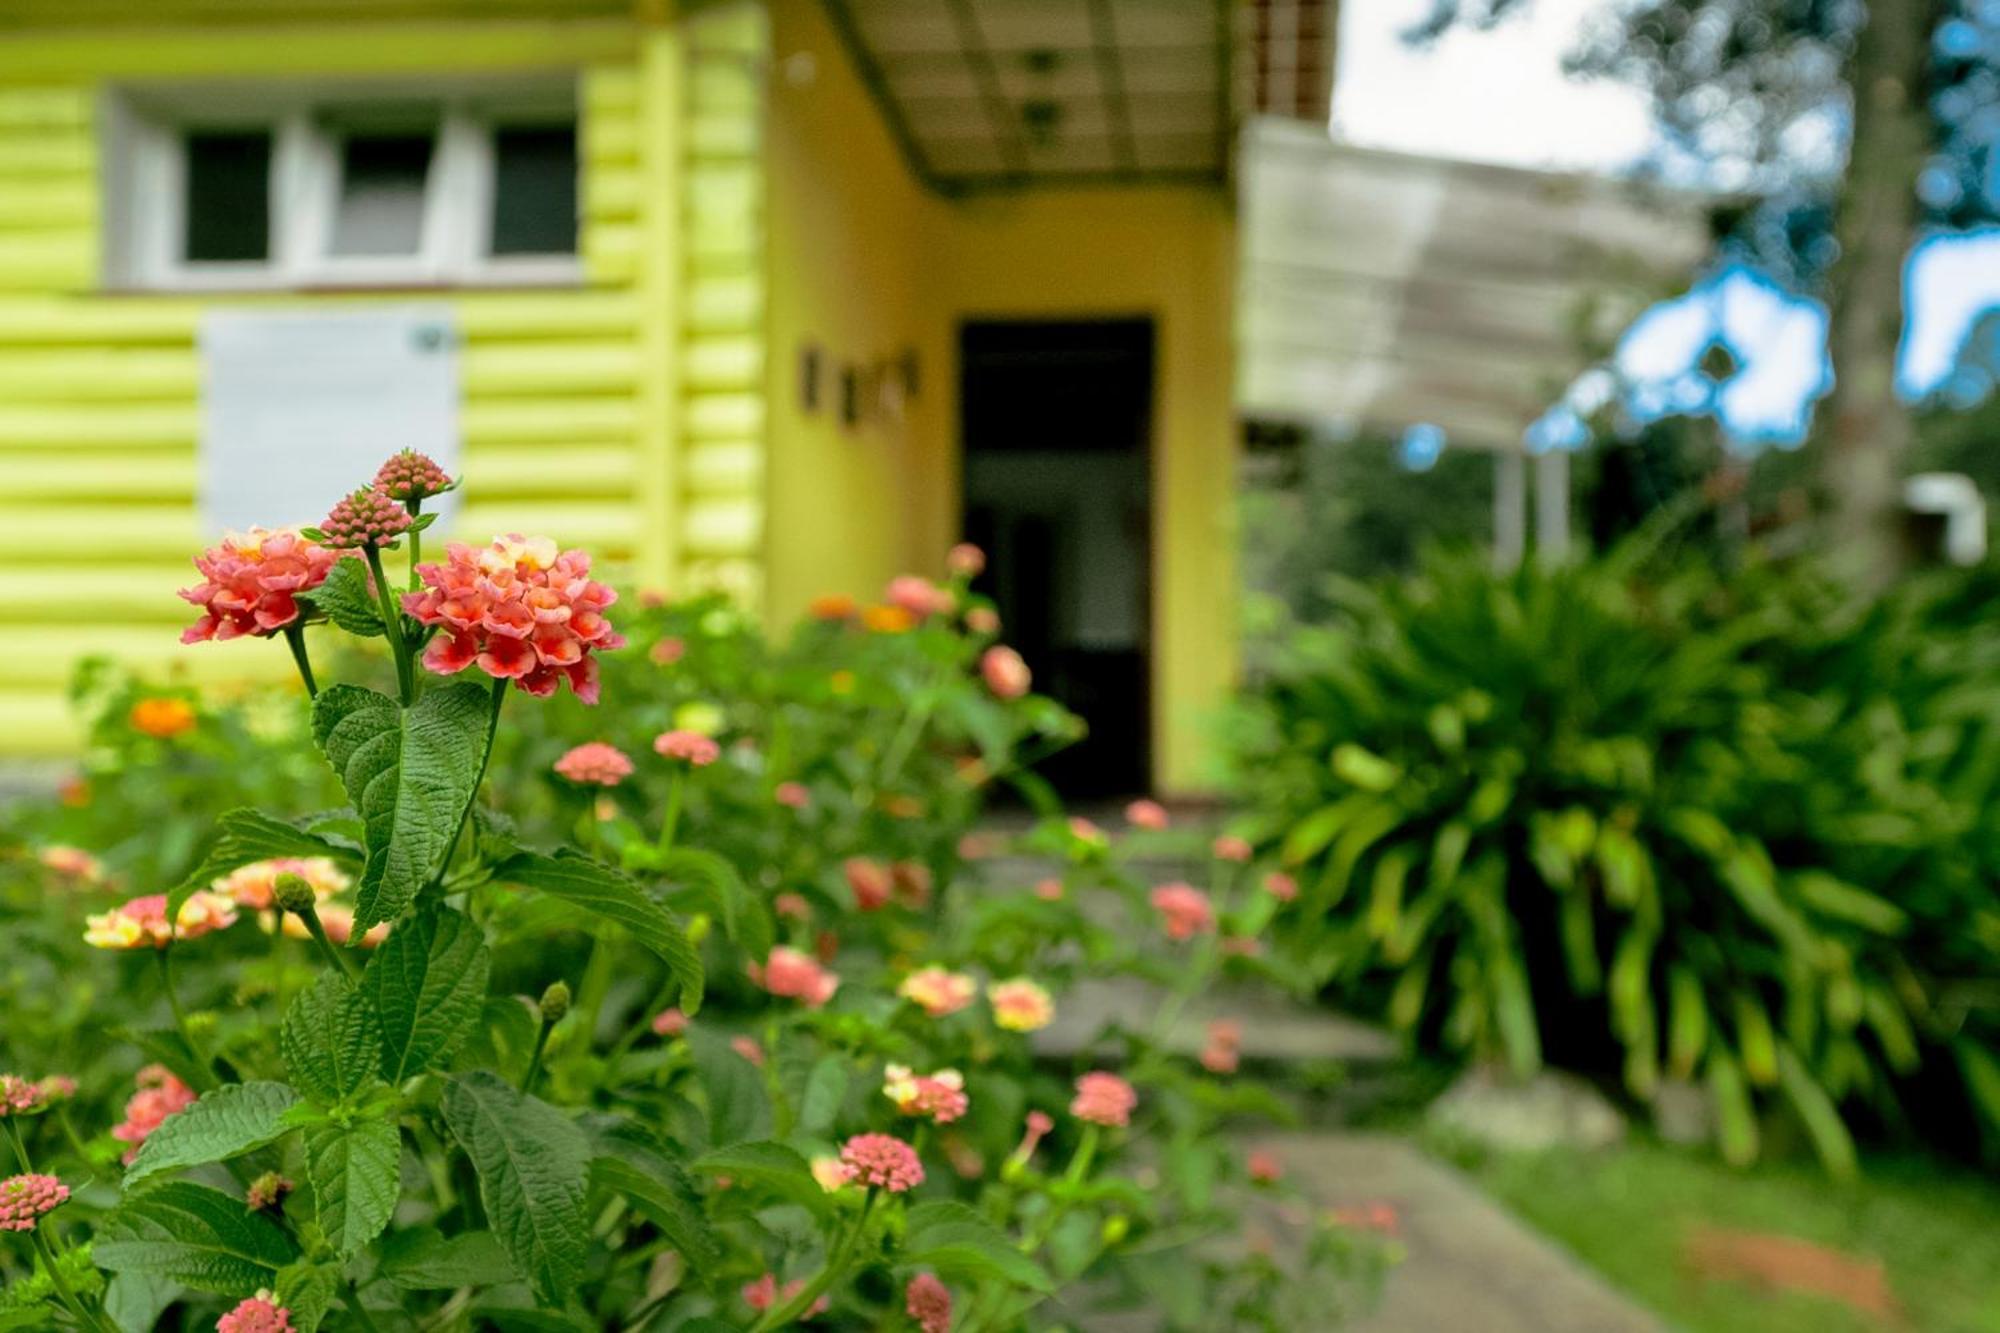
100	394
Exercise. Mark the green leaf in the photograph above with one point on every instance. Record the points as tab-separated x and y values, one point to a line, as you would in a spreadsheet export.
134	1302
1844	902
599	889
957	1241
1981	1073
737	1106
826	1089
1735	1117
532	1161
745	920
1309	837
331	1041
307	1291
355	1170
1819	1115
428	1261
348	598
242	836
426	984
773	1166
222	1124
411	776
197	1236
632	1163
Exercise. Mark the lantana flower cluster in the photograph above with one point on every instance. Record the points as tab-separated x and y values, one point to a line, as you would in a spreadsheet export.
142	922
250	582
521	609
26	1199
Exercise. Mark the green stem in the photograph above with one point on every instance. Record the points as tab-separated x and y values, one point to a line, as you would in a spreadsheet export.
534	1074
1079	1167
84	1316
644	1023
392	626
780	1315
673	816
74	1139
20	1144
495	699
180	1016
295	639
332	955
416	508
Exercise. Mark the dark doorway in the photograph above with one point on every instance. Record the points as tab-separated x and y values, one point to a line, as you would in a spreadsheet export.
1056	420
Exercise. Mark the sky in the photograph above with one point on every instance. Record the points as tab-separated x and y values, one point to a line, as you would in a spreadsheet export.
1501	96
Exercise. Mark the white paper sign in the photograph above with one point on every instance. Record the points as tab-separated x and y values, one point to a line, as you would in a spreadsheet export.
299	407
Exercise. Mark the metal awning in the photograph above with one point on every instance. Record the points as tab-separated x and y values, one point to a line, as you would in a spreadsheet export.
1379	290
1001	93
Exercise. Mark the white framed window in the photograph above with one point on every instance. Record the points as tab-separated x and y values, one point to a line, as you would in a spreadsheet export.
242	188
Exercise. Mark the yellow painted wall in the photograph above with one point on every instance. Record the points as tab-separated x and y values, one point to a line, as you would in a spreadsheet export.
623	415
865	262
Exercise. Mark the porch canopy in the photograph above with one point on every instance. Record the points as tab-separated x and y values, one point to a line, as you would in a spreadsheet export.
1378	290
1004	93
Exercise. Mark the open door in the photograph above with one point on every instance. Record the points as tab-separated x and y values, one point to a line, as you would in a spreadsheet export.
1056	422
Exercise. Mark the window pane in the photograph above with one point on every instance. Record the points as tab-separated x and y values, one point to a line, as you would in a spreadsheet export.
228	196
534	190
381	208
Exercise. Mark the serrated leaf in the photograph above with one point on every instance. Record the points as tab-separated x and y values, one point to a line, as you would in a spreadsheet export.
197	1236
348	598
331	1042
630	1162
826	1089
429	1261
745	920
776	1168
955	1240
410	774
607	893
306	1290
221	1124
532	1162
426	983
243	836
355	1174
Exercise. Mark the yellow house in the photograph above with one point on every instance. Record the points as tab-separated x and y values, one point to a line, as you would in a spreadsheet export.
781	297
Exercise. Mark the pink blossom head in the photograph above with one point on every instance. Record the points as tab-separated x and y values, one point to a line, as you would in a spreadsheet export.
260	1314
25	1200
72	863
939	1097
690	747
667	651
882	1161
928	1302
595	763
792	907
1145	814
747	1047
670	1023
1104	1099
792	975
519	609
365	518
142	922
869	882
1264	1167
1019	1005
792	795
250	583
1229	847
1281	886
1221	1053
20	1096
1049	889
1088	833
1006	674
764	1293
410	475
937	991
965	560
982	620
919	596
160	1095
1184	910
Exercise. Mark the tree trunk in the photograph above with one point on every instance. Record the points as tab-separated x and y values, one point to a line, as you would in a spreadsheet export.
1868	430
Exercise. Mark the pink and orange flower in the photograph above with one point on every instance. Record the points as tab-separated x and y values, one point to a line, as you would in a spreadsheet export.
251	581
27	1199
882	1161
1104	1099
160	1095
594	763
142	922
939	1097
938	991
690	747
1184	910
928	1302
519	609
1005	672
1019	1005
258	1314
792	975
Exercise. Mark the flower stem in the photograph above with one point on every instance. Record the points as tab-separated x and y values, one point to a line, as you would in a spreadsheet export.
84	1317
780	1315
334	956
534	1074
295	639
180	1016
20	1144
392	626
415	505
672	818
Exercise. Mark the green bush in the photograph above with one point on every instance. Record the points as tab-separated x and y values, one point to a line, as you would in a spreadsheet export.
1643	815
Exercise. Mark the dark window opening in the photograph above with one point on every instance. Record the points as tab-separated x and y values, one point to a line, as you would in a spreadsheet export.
381	205
534	190
228	196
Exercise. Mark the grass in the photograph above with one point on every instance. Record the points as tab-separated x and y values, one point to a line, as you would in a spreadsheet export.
1627	1212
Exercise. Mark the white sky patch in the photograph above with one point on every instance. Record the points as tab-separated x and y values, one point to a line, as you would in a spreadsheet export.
1497	96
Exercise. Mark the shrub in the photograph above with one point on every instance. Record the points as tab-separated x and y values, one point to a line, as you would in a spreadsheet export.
1637	815
696	1026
